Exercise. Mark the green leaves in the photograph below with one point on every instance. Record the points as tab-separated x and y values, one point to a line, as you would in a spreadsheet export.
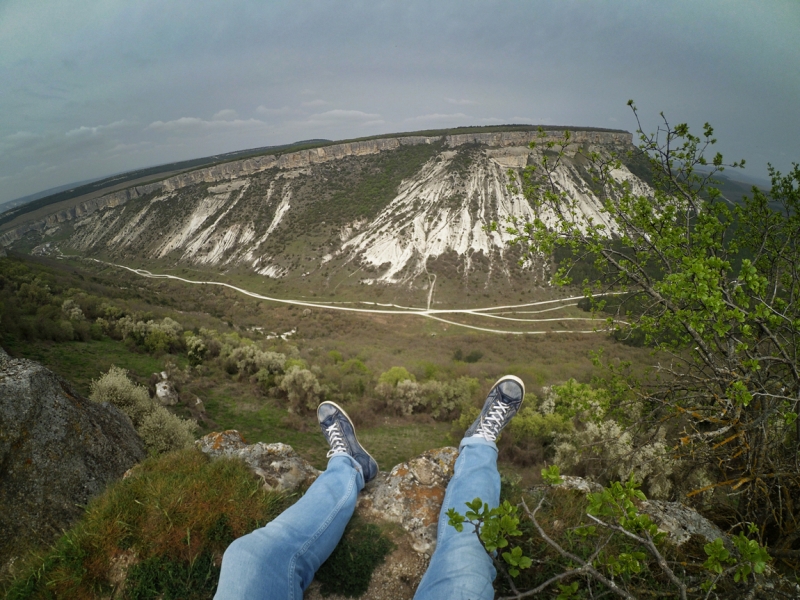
552	475
717	556
494	527
568	591
753	557
516	561
454	519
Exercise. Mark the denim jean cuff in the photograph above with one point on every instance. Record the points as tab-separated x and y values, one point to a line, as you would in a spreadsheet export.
476	440
354	463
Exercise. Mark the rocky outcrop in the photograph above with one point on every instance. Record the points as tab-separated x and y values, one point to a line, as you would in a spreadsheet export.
523	138
222	171
77	211
278	465
681	522
410	495
57	451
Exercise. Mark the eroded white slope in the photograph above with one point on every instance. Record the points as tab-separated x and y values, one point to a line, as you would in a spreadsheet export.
437	211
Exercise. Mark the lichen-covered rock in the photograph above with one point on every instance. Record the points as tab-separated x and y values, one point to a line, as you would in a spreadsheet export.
579	484
278	465
681	522
57	450
166	394
411	494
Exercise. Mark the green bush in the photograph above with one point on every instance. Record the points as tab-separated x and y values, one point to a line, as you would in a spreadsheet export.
117	389
302	389
395	375
160	430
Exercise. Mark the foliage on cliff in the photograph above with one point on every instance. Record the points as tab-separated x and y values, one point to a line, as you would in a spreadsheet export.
711	285
158	533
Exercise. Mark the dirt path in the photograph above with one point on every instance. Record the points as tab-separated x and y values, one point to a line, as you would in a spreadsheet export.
394	309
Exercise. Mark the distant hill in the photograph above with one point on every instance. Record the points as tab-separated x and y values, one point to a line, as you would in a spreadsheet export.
32	202
408	211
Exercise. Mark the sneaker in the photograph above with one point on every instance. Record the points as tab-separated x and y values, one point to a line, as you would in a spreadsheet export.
501	405
341	436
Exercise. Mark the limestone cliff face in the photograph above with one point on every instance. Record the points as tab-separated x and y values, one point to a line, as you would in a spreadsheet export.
384	208
57	451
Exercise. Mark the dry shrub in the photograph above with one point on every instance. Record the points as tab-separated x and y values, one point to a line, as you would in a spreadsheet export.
607	452
160	430
118	390
249	359
302	389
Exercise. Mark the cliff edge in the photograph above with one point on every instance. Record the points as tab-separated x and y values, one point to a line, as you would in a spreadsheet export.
57	451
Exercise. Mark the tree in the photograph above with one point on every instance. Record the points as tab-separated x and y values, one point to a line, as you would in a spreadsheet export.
711	284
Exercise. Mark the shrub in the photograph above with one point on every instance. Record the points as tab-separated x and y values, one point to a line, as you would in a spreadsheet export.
302	389
163	336
117	389
160	430
609	452
249	359
473	356
444	399
403	398
196	349
395	375
72	310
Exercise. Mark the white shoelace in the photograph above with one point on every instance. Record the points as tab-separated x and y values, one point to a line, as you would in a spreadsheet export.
335	440
493	423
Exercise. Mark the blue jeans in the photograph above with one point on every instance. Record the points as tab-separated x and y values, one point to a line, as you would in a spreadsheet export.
279	560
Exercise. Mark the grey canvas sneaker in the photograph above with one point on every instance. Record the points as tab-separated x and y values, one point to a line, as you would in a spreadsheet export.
501	405
341	436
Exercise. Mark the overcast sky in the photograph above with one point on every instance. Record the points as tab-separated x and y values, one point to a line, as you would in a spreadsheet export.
93	87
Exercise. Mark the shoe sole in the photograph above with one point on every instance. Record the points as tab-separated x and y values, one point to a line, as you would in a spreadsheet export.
508	378
346	416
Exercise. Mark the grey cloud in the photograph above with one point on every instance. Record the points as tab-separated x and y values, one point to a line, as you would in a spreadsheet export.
188	79
438	117
189	124
227	114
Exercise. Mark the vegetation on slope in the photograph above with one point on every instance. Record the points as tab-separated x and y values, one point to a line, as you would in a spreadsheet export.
165	527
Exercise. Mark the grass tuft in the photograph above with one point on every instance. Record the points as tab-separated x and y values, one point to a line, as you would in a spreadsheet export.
348	571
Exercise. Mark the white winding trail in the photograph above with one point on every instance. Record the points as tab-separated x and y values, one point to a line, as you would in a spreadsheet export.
403	310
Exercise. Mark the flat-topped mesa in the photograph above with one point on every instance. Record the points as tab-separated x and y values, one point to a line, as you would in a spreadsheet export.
297	160
523	138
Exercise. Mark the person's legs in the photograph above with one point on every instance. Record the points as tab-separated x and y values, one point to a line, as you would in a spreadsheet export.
279	560
460	569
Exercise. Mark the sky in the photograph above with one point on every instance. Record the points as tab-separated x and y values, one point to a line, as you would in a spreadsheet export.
90	88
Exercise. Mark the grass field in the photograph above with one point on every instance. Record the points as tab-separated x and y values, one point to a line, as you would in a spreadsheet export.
427	348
